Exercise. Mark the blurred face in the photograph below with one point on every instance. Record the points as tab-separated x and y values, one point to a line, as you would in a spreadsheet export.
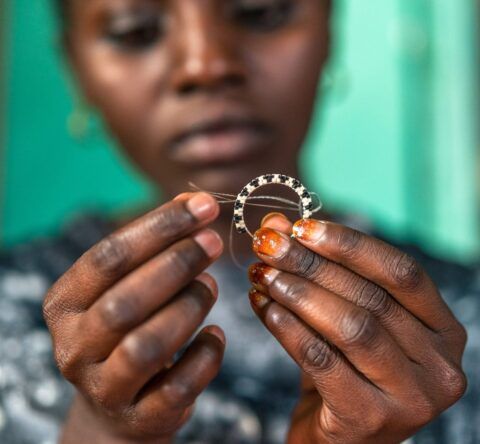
211	91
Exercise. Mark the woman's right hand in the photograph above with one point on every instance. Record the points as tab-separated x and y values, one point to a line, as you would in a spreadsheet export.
123	311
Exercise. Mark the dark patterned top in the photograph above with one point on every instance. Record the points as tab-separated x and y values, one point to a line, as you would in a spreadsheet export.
249	402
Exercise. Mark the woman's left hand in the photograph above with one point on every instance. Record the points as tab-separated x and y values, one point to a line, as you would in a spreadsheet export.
380	349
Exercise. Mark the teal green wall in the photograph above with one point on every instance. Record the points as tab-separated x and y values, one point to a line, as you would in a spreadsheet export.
49	174
397	138
394	138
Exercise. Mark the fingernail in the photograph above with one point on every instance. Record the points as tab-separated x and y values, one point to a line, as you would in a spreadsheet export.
182	196
217	332
258	299
210	242
270	243
262	274
209	282
277	221
170	364
309	230
202	206
272	215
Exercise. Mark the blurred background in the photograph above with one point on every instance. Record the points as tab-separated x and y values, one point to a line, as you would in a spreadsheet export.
395	137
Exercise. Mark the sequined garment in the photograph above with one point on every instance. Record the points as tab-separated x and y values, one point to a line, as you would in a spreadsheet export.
249	402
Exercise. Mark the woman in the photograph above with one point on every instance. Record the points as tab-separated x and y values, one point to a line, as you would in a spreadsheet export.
218	92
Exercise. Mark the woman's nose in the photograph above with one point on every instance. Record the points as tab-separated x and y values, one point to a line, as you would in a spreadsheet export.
206	53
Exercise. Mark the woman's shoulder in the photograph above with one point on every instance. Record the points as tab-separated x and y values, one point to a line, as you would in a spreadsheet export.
443	271
27	271
453	279
33	396
50	256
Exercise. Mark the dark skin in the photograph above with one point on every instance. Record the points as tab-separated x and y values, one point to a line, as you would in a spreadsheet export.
379	349
211	58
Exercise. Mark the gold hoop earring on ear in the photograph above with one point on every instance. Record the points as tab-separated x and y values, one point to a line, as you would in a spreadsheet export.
83	123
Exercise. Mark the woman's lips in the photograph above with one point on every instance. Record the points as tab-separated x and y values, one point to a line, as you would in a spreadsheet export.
220	142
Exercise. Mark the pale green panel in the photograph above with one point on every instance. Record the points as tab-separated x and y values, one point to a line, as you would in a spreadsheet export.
438	66
4	35
397	138
415	67
456	119
354	150
49	174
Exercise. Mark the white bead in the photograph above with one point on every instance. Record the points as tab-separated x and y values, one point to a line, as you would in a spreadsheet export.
300	190
262	180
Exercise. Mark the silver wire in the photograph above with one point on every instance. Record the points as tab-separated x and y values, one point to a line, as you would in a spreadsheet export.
224	198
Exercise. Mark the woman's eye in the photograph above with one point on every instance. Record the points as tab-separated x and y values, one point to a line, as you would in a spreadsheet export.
262	15
134	32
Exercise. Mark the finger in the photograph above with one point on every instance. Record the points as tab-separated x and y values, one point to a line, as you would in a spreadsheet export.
179	387
380	263
331	374
280	251
284	253
184	196
125	249
352	329
147	349
141	293
409	333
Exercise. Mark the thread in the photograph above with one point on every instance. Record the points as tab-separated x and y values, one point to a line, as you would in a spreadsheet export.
252	201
